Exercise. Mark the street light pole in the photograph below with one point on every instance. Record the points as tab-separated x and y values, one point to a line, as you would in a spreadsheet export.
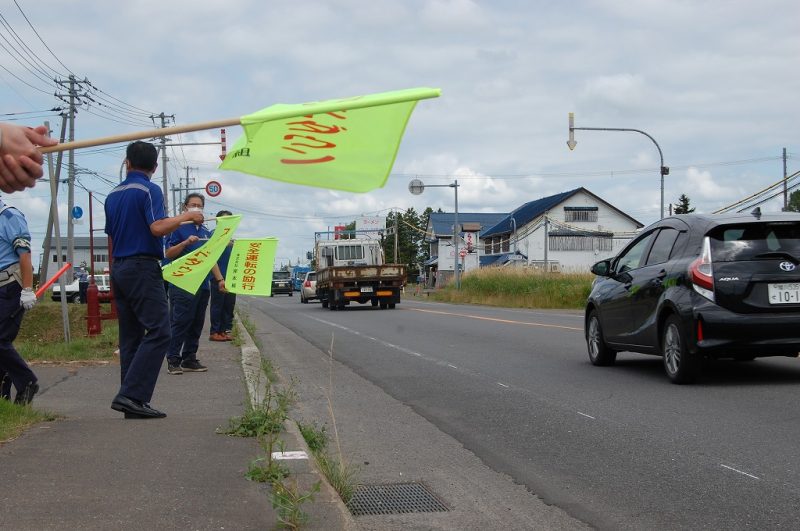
663	170
416	187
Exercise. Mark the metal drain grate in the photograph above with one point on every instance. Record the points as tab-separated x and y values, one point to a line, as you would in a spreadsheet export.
396	498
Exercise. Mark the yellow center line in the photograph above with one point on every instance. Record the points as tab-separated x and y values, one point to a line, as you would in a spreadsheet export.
509	321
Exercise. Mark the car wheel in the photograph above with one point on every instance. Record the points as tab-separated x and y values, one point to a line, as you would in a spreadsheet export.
303	299
681	367
599	353
374	302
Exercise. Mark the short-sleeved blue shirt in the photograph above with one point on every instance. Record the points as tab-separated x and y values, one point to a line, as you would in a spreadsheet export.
15	238
131	208
183	232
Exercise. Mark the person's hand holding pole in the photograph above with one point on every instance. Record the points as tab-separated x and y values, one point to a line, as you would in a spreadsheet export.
20	161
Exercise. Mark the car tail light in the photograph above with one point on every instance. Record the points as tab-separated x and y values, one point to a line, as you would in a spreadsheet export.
701	272
307	284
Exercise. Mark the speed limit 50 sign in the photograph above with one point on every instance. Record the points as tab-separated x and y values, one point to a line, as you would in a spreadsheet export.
213	188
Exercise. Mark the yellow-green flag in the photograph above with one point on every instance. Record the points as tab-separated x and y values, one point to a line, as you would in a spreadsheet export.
347	144
190	270
250	266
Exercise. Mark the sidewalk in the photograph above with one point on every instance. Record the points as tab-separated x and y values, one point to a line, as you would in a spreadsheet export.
96	470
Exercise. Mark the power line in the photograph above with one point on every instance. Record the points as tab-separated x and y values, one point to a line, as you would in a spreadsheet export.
41	40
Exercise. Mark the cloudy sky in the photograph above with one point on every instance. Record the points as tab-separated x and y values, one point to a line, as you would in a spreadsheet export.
714	82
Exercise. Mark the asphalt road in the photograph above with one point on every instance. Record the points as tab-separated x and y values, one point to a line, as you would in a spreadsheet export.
616	447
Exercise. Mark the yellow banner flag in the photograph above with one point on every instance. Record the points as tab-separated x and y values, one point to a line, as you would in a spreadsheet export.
250	266
344	144
189	271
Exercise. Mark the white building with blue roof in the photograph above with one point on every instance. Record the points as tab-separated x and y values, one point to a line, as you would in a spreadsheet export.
439	268
563	232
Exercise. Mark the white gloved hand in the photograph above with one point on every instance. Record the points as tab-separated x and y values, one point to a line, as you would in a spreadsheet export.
27	298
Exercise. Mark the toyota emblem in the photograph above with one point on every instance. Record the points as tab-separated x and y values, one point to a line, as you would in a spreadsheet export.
787	266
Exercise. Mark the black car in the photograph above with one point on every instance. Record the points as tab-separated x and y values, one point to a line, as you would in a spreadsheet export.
700	286
282	283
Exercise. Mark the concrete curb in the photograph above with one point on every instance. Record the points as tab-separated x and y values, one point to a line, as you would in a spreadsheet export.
327	511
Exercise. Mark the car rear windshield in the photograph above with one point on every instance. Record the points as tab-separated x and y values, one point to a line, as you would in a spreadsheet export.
311	276
755	241
280	275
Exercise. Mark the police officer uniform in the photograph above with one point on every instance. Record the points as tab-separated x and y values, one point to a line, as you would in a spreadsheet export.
15	240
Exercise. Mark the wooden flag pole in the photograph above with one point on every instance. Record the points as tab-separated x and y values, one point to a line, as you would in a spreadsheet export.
140	135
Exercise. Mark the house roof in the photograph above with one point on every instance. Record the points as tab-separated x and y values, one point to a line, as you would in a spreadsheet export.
440	224
533	209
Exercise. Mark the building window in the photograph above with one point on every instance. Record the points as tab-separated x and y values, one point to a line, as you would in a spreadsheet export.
575	242
505	244
101	258
496	245
63	258
573	214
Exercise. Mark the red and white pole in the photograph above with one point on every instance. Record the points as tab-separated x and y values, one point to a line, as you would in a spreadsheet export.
223	143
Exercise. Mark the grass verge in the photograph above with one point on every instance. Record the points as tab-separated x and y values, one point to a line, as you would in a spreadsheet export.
14	419
519	288
41	336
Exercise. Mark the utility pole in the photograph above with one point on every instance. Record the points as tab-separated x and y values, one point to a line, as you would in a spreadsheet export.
51	218
396	228
785	184
72	98
546	240
184	189
165	187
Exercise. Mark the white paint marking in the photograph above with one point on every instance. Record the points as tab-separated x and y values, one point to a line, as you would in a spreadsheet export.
502	385
739	471
298	454
587	416
451	365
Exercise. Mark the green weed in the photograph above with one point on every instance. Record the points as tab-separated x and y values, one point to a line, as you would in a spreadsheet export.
287	500
14	419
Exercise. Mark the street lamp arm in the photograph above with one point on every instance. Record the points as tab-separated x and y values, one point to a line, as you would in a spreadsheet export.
662	170
660	154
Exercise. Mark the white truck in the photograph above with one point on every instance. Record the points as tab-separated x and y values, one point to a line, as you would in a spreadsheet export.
354	270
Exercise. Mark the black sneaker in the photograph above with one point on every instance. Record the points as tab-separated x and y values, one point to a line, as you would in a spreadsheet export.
26	395
174	368
193	366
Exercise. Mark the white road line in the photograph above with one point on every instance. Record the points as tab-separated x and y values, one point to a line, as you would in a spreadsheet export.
502	385
451	365
739	471
585	415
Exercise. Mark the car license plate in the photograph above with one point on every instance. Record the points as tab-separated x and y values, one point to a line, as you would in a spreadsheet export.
784	293
366	289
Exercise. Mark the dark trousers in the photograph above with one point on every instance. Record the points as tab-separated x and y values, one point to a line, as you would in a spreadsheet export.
187	318
143	324
13	368
222	305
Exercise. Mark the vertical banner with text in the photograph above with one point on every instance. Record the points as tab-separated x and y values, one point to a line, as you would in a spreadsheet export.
190	270
250	266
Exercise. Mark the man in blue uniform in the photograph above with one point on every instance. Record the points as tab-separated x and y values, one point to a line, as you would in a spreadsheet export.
187	310
16	281
222	304
136	223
